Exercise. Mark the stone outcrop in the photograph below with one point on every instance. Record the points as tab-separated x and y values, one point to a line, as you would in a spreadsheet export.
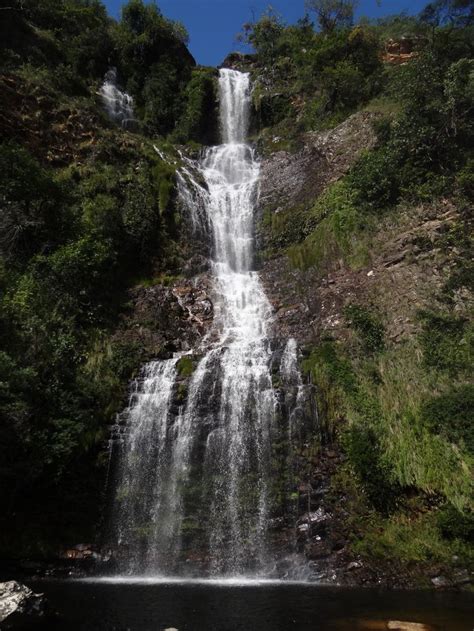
238	61
407	262
405	259
19	603
400	51
291	179
289	182
166	318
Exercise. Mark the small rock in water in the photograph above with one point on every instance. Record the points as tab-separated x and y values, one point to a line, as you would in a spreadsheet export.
399	625
395	625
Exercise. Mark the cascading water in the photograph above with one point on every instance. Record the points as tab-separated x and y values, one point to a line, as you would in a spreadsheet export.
119	105
198	474
237	455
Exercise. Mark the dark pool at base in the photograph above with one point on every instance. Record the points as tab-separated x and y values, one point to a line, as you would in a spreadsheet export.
96	606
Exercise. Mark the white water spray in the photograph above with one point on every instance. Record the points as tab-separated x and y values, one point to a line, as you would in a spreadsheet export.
119	105
218	444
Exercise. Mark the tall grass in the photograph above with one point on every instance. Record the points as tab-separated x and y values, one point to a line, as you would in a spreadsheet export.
336	231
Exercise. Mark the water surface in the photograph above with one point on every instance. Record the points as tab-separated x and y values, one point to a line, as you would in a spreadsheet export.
237	605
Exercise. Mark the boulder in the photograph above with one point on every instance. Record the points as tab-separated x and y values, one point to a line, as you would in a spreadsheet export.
440	581
18	600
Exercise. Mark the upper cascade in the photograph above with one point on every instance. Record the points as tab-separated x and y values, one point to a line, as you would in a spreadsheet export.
119	105
235	99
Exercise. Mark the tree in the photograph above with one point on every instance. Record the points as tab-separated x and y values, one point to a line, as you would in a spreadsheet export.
152	56
454	12
333	14
264	35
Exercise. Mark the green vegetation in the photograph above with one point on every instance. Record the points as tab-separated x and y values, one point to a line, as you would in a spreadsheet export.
404	415
199	120
403	443
447	342
71	245
151	54
335	229
69	45
451	414
403	412
424	151
308	79
186	366
369	329
312	80
332	14
416	540
86	211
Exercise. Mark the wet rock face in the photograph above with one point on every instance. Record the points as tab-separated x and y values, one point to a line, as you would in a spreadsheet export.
164	319
294	423
19	603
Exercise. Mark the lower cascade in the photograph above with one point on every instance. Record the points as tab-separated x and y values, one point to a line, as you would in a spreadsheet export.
194	483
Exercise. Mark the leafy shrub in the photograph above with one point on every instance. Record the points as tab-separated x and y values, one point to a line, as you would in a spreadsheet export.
446	341
456	525
31	200
336	231
199	120
145	194
344	86
368	327
375	179
332	73
67	33
465	180
452	415
461	277
366	456
409	539
75	274
265	36
152	56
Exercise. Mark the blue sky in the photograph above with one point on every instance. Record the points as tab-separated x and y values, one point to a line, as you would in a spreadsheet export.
213	24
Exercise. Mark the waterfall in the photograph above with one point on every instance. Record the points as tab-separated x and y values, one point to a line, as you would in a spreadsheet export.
291	376
194	475
145	523
237	455
119	105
